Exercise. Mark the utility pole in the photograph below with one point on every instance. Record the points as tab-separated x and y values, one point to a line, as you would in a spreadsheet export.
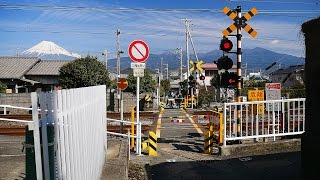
167	70
180	58
187	56
245	70
161	68
187	46
118	65
105	54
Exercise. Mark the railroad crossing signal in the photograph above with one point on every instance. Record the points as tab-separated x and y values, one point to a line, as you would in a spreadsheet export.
240	22
226	45
196	66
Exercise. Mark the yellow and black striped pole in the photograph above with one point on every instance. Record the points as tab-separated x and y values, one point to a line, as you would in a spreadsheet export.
152	144
208	141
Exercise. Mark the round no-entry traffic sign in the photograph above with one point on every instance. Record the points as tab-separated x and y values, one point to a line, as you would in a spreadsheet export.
122	83
138	51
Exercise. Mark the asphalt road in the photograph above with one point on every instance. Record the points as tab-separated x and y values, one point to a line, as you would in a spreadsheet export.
12	159
274	166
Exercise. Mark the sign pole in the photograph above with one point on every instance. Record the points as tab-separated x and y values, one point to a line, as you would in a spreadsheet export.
138	133
121	111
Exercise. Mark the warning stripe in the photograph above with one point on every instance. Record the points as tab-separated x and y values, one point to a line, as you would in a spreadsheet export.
209	138
209	145
229	30
151	146
153	139
250	14
152	142
251	31
232	15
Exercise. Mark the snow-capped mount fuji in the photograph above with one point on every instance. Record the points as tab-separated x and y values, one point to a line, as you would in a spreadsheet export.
50	50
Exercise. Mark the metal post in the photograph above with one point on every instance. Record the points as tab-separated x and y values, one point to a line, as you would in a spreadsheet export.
138	147
238	10
121	111
132	128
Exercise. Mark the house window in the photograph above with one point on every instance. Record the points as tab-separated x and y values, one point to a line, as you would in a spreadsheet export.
211	72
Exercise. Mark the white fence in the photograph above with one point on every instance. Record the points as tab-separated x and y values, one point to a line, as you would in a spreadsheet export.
263	119
80	132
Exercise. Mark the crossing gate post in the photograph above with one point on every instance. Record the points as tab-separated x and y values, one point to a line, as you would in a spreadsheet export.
208	141
132	128
221	129
152	144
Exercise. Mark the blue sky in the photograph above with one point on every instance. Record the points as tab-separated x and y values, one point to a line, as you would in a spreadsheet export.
88	26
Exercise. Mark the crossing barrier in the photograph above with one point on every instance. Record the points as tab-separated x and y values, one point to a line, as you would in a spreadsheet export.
178	120
216	123
208	141
150	144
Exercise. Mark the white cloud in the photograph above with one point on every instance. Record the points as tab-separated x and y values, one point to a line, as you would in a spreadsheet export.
276	41
163	30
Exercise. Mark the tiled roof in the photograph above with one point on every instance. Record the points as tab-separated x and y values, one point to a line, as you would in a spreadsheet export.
16	67
288	70
47	67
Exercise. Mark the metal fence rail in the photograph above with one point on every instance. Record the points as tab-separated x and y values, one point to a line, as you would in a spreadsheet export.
261	119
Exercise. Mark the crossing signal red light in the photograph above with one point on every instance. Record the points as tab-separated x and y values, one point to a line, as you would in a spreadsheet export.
202	77
226	45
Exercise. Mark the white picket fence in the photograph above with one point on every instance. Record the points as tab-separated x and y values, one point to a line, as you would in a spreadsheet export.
263	119
80	132
78	116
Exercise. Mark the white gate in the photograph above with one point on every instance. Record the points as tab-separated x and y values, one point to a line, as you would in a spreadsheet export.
262	119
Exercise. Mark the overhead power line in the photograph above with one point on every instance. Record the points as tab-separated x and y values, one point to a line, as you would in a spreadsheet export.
278	2
103	9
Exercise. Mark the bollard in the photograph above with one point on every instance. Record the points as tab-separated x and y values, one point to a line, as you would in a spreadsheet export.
208	141
152	144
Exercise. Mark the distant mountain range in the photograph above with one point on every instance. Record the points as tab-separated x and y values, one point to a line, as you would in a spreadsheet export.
255	58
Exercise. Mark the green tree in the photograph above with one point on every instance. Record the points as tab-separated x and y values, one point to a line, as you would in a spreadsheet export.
84	72
147	83
2	87
205	97
165	86
215	81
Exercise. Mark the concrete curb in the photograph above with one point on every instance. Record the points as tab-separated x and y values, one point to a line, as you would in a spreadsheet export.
260	148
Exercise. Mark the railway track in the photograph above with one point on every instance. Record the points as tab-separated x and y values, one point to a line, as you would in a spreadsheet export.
20	131
143	114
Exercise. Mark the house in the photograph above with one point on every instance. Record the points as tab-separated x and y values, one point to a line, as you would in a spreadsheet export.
210	70
46	72
291	76
29	74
